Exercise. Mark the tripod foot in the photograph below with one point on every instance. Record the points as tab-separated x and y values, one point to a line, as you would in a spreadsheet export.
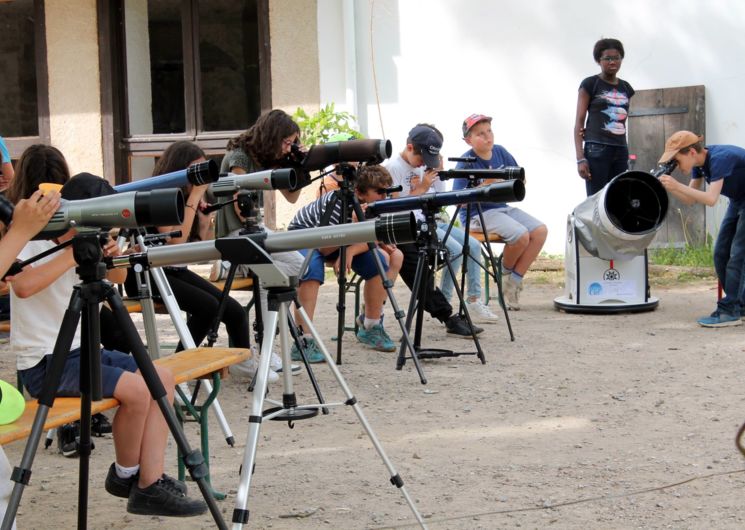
231	441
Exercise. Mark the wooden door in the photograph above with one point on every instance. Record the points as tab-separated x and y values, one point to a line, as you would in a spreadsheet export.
654	115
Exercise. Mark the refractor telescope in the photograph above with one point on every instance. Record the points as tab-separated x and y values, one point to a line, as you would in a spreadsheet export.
196	174
398	228
506	173
363	151
122	210
510	191
270	179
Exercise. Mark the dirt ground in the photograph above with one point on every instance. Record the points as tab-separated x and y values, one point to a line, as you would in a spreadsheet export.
606	421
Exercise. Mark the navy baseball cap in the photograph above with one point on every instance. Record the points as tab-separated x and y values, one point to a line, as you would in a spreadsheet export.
429	142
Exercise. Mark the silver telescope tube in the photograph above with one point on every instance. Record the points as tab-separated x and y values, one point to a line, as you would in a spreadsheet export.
270	179
396	228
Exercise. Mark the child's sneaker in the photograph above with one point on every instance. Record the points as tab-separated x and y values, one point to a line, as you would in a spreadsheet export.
376	337
247	369
479	312
100	425
68	439
276	364
162	497
720	320
312	352
512	293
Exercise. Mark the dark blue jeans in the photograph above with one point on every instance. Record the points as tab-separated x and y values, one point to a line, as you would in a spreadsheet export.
729	257
606	162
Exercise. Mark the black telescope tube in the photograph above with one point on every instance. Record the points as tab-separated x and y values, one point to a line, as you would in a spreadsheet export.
510	191
159	207
510	172
370	151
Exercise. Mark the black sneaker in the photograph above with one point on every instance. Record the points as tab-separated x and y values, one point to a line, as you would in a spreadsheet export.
100	425
162	498
458	326
120	487
68	439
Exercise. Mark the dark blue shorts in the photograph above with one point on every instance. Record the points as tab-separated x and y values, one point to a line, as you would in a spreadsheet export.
113	365
362	264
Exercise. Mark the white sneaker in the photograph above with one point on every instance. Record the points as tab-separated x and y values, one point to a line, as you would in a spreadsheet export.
512	293
276	364
247	369
479	312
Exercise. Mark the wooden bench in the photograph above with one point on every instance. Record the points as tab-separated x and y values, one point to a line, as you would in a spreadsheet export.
186	365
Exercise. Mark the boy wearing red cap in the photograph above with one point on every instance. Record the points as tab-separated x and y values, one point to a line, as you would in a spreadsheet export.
722	167
523	234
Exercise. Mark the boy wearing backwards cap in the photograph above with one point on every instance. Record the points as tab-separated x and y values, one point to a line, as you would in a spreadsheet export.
722	167
524	235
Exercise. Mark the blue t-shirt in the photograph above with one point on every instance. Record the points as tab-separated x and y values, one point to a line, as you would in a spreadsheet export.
500	158
724	162
4	151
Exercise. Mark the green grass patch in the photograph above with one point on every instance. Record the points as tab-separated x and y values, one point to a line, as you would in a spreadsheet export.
688	256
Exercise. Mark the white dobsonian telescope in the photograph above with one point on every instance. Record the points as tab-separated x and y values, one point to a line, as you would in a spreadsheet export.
606	246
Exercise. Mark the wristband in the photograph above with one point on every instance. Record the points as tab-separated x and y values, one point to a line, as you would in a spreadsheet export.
581	160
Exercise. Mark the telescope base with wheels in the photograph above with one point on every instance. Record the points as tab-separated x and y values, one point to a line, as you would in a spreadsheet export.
562	303
599	286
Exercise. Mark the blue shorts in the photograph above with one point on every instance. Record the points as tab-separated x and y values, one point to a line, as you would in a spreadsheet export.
362	264
113	365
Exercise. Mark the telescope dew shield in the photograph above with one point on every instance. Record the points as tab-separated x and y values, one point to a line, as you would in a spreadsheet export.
369	151
510	191
270	179
621	219
122	210
196	174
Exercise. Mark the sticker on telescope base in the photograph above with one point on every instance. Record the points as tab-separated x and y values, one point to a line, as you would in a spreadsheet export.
612	289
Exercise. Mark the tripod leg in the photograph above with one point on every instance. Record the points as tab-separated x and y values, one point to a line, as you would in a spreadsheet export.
193	460
241	513
286	358
416	304
395	478
341	305
169	300
458	291
22	473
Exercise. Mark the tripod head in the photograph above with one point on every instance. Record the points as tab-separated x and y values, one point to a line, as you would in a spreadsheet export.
86	249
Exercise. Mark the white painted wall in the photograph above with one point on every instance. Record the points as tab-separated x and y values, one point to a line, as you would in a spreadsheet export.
522	62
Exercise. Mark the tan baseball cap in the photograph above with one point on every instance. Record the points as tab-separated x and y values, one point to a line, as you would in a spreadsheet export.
679	140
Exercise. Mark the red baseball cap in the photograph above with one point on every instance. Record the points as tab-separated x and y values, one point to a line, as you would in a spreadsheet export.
472	120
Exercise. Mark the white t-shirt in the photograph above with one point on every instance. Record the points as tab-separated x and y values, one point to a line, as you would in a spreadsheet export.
37	319
402	173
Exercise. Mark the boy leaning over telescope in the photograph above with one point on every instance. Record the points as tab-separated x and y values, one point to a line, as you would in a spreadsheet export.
722	167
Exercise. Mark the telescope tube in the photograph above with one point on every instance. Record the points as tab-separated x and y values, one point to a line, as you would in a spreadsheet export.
510	191
370	151
197	174
398	228
122	210
270	179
